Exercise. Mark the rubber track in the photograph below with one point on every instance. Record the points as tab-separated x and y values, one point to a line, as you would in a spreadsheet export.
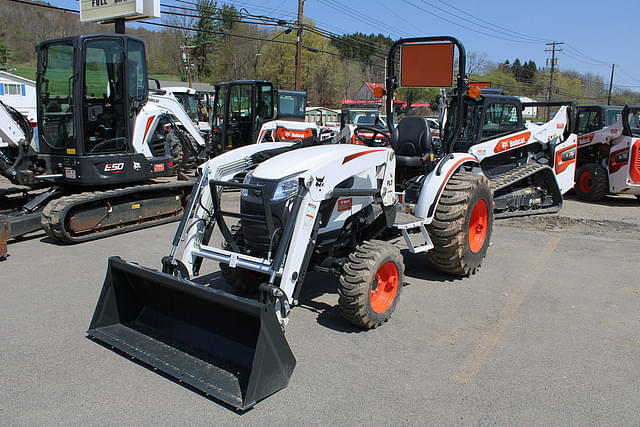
54	213
518	174
514	175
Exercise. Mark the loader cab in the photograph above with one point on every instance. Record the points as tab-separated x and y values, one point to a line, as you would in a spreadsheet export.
360	116
240	108
291	105
631	126
590	118
487	117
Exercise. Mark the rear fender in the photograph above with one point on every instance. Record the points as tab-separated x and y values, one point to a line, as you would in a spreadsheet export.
435	182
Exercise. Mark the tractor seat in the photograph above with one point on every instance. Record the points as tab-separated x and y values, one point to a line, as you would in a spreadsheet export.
411	141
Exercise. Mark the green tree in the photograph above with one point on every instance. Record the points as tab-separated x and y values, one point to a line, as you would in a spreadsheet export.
204	39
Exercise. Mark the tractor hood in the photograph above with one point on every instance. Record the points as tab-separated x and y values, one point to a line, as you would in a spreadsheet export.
308	159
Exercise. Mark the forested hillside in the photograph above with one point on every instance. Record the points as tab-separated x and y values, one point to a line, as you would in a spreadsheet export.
229	44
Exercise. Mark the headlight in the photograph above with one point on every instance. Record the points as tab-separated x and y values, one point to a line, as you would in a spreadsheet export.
246	180
286	189
622	157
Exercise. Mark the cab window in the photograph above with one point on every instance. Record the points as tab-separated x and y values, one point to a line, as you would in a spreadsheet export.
240	102
218	109
613	116
264	106
499	119
588	121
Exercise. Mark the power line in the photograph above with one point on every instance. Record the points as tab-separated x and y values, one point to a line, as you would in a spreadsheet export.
533	38
525	39
271	21
461	25
353	13
222	33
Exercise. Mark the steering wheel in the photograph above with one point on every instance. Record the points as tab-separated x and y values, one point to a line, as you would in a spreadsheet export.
370	141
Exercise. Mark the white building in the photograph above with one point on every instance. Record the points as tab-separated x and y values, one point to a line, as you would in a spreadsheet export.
19	93
529	113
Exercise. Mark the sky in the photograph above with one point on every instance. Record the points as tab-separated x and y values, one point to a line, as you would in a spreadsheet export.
596	34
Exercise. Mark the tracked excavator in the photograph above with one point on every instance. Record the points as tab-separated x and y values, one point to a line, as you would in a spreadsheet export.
304	206
106	150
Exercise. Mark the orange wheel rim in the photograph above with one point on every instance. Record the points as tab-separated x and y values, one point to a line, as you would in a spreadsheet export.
478	226
384	287
586	182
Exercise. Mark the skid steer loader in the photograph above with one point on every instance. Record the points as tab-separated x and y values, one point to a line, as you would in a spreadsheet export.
608	158
303	206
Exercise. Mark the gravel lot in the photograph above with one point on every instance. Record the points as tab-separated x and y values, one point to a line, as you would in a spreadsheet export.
548	332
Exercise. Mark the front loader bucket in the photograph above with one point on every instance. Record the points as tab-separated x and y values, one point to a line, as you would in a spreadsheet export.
226	346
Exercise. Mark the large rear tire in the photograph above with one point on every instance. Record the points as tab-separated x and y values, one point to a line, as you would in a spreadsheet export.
592	182
462	224
371	283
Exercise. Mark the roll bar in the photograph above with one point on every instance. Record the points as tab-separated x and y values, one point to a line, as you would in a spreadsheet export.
462	81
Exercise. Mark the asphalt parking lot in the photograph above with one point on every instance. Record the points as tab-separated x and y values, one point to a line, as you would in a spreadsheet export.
548	332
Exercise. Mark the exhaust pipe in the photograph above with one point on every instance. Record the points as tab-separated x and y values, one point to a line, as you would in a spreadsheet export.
225	346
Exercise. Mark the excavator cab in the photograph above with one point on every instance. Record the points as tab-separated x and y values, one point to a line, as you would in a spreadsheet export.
89	90
240	108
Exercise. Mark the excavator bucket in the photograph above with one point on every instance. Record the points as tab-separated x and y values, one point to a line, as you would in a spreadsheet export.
226	346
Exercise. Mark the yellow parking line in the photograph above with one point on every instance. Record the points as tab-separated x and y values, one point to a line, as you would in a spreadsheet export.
470	368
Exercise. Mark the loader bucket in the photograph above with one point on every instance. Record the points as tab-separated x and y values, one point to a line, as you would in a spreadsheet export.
228	347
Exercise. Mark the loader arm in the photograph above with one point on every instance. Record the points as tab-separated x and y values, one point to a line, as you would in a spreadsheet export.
316	185
15	144
172	106
14	127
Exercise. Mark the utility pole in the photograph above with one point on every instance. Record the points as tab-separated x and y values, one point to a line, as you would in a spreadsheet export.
553	66
186	57
613	67
299	46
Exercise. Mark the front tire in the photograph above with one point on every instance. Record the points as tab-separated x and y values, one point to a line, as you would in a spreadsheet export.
592	182
462	224
371	283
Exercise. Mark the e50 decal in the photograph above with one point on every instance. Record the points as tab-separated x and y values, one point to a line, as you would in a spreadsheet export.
114	167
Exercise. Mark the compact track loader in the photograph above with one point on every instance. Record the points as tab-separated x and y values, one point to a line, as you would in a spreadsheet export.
303	206
530	166
608	158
